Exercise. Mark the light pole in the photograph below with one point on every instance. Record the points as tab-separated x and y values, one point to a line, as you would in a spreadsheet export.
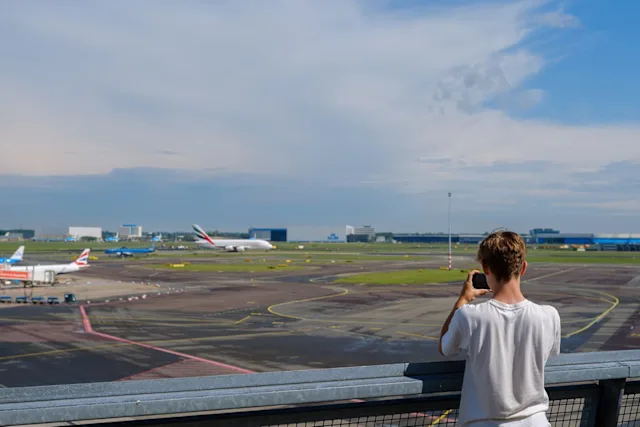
449	231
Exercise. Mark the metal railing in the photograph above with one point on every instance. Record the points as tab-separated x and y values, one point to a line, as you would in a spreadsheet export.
585	389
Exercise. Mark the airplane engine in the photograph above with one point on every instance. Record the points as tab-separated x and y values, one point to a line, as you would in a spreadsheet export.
240	249
229	248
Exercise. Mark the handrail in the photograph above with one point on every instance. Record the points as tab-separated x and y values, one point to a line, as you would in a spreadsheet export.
80	402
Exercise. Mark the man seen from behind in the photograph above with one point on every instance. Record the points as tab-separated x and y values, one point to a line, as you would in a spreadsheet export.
507	341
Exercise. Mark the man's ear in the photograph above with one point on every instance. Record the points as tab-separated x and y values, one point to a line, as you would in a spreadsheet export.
486	270
524	268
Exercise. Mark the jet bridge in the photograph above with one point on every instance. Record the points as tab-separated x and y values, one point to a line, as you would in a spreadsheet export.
28	278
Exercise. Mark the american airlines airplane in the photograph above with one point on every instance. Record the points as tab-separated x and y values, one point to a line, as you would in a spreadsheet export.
77	265
16	257
230	245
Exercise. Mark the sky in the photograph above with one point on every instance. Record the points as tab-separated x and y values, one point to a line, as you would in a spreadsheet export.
240	113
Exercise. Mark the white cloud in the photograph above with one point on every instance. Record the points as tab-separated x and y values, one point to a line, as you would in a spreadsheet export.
335	91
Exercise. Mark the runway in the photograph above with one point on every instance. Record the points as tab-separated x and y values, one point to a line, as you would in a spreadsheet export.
234	323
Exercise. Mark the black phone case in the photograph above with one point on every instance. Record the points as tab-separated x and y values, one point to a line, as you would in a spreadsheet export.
480	281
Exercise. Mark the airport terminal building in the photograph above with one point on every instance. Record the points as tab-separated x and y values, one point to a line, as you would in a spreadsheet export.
301	233
90	232
268	234
598	241
439	238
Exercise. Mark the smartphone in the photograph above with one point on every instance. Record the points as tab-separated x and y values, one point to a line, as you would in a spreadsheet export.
480	281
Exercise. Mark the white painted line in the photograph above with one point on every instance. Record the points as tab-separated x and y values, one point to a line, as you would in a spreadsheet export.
550	275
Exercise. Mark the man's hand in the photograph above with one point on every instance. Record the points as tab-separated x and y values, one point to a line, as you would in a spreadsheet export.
469	293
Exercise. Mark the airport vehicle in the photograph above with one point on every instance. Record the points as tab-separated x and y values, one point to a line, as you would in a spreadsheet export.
5	299
77	265
15	258
230	245
53	300
126	252
38	300
22	300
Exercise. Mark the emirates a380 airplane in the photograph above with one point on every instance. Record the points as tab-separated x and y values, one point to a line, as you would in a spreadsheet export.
230	245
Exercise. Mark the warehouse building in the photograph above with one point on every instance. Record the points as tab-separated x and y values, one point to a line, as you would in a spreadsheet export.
564	238
470	239
607	242
316	234
365	233
25	234
10	236
618	242
130	231
78	233
268	234
617	239
426	238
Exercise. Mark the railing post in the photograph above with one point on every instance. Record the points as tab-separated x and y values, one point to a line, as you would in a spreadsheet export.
608	409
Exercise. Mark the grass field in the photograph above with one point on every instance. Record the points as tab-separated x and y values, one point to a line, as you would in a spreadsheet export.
244	268
7	248
330	251
300	256
406	277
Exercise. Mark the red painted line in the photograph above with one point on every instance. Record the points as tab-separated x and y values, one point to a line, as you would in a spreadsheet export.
86	324
87	327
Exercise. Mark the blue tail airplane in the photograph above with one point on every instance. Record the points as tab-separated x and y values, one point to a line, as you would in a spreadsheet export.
15	258
124	251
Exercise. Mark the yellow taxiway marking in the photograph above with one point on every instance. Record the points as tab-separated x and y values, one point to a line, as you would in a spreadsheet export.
140	318
242	320
613	303
271	309
417	335
215	338
610	299
441	417
69	350
153	342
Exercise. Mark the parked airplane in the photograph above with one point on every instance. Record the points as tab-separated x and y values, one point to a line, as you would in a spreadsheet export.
230	245
15	258
124	251
81	262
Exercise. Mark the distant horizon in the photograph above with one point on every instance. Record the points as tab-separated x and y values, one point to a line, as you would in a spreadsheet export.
231	231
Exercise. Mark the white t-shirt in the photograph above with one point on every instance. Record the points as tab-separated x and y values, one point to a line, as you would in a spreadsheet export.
507	346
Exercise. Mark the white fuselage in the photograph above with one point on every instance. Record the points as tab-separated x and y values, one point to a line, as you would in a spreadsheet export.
56	268
237	245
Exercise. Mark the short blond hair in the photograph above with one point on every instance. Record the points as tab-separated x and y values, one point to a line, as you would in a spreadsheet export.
503	253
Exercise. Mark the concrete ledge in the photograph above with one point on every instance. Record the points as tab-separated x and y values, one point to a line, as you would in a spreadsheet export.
79	402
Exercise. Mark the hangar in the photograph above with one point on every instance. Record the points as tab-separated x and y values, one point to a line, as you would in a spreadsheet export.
268	234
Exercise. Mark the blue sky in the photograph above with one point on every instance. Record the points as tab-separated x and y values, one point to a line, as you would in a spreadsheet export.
236	114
